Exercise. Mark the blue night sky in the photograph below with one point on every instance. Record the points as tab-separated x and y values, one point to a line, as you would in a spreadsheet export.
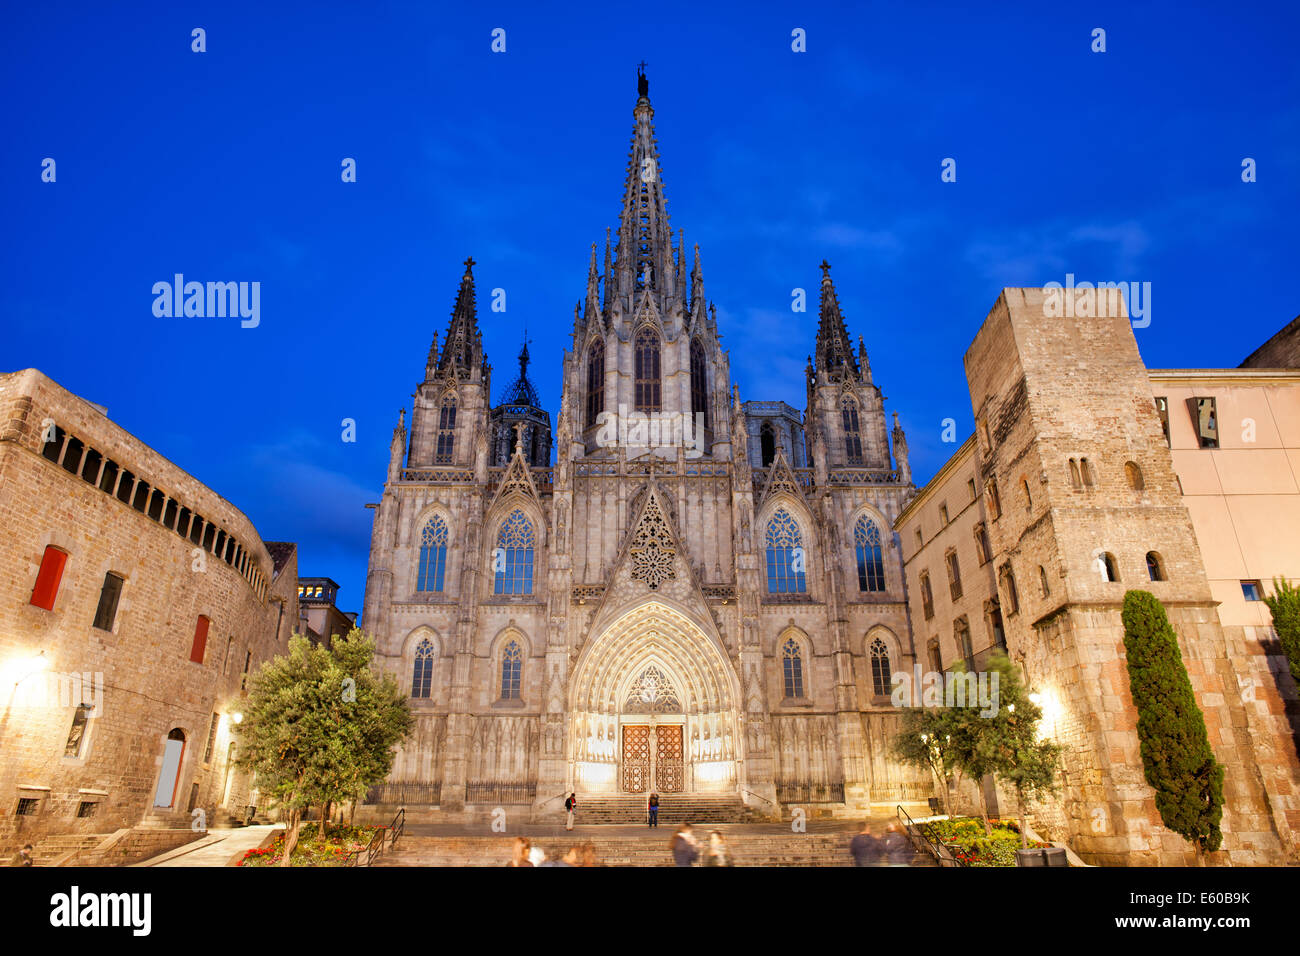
225	166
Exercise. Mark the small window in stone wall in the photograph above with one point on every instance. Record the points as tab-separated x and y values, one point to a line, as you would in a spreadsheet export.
1252	591
77	733
1076	480
1133	474
1162	410
200	640
109	596
1155	566
1044	590
994	502
28	806
1085	469
1205	421
86	808
1107	566
48	578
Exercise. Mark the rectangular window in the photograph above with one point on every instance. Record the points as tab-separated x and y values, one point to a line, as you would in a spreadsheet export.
86	808
48	578
248	660
943	516
1205	421
927	597
1251	591
1162	409
982	549
936	658
200	640
106	612
964	648
954	576
27	806
212	738
1009	585
970	487
77	733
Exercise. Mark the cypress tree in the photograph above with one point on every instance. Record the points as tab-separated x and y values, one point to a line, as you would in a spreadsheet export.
1176	752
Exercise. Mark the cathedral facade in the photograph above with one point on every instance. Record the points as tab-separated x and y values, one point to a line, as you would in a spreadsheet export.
700	596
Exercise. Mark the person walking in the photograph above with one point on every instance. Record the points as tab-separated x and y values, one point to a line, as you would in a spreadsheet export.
653	810
718	854
23	857
866	848
570	807
684	847
587	855
519	854
897	848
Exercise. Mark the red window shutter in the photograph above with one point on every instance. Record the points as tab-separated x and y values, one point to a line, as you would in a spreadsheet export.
48	578
200	640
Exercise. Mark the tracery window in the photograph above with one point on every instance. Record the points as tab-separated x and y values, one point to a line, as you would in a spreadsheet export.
880	669
786	566
652	693
513	560
792	664
595	382
433	555
647	371
699	382
512	666
852	435
446	431
871	565
422	678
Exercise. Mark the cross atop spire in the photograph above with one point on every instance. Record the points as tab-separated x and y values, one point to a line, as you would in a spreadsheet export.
469	265
826	269
642	84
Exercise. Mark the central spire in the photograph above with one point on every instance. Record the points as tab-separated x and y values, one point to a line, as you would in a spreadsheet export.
644	255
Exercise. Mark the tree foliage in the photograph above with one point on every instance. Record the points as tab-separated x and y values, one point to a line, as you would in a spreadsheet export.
1176	753
924	739
1284	602
320	726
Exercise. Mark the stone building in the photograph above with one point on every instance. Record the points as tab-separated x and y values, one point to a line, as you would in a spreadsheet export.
134	603
701	597
319	618
1089	475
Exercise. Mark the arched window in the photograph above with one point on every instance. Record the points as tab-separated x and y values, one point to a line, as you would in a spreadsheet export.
1043	588
699	382
512	666
647	371
785	556
1107	567
792	663
852	436
994	502
422	678
169	777
1134	475
1155	567
1085	469
446	431
513	558
595	384
880	676
1024	490
871	565
1076	480
767	444
433	555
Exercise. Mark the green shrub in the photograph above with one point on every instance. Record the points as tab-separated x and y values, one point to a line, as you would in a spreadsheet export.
1176	752
1284	602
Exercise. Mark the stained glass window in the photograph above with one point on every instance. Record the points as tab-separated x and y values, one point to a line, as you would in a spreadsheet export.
512	665
514	560
785	556
871	564
792	660
446	430
852	435
880	676
433	555
422	679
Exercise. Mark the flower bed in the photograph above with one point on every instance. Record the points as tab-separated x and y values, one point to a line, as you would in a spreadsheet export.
965	837
310	851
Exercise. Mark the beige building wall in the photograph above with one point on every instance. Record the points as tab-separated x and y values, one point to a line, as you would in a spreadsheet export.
71	479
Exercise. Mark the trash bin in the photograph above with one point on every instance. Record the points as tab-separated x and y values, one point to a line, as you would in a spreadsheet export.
1048	856
249	814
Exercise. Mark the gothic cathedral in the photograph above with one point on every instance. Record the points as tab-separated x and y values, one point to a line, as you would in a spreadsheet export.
700	597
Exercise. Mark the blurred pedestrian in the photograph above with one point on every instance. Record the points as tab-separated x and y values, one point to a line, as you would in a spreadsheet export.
537	856
897	848
866	847
653	809
519	853
684	847
23	857
587	855
718	853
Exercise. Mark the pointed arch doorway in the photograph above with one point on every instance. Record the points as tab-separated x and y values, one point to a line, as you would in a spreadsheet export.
653	707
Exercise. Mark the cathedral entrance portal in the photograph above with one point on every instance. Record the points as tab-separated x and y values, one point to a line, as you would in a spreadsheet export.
653	758
654	708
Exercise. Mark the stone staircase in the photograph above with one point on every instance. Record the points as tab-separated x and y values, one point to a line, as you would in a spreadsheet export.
696	809
750	849
52	850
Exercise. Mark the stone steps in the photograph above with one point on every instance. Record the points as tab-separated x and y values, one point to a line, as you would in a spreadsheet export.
673	809
806	849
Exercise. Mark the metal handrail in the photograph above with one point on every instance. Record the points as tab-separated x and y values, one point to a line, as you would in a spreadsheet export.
924	841
375	848
760	796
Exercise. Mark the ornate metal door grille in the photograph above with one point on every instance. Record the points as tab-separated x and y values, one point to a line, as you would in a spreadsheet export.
636	758
669	765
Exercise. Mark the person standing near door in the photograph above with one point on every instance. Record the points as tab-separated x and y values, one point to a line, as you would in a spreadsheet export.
653	809
570	806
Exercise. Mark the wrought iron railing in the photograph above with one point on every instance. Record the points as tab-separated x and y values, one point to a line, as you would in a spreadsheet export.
810	792
925	840
406	793
500	793
375	848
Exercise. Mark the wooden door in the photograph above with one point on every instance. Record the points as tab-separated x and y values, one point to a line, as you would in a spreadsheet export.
636	758
670	770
